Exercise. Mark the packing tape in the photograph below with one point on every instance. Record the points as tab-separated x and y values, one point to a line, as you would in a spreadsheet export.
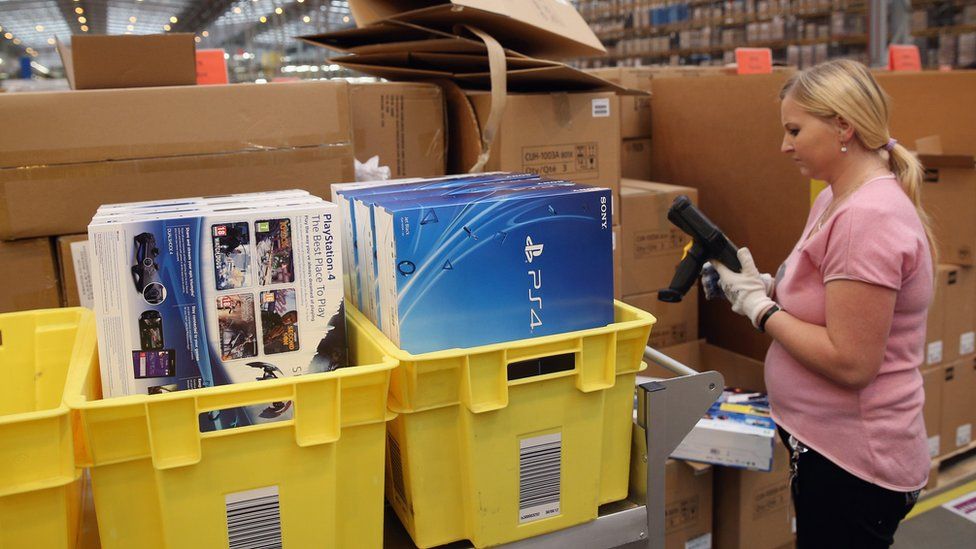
499	95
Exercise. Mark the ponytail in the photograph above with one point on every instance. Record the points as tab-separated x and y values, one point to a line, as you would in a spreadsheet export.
909	172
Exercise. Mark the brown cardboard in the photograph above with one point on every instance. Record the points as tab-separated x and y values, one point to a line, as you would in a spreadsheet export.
652	245
676	322
753	509
129	61
617	264
163	143
635	157
59	128
28	275
932	379
960	310
547	28
935	333
933	103
68	195
958	386
687	494
559	135
403	124
738	370
949	197
66	269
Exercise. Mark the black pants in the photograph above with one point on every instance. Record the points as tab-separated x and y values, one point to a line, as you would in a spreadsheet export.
835	509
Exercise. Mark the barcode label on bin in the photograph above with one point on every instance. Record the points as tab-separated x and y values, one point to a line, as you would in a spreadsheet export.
253	519
540	477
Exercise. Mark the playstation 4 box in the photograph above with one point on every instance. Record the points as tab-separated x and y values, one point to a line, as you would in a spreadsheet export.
737	431
478	268
153	206
221	294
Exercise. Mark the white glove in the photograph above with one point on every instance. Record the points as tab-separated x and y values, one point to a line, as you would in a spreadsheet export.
745	290
710	282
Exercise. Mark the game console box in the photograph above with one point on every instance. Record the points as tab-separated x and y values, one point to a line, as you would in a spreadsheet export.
505	265
220	295
199	201
737	431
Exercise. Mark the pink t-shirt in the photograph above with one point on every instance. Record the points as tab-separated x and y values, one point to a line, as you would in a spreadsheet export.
875	433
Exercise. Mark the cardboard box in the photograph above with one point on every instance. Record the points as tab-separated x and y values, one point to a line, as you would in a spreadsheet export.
738	370
545	28
402	123
687	496
932	379
204	140
28	275
949	197
635	158
557	135
74	271
933	103
676	322
958	387
960	313
753	509
652	245
635	111
133	61
935	326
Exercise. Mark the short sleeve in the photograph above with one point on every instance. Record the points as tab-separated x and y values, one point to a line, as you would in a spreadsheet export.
869	245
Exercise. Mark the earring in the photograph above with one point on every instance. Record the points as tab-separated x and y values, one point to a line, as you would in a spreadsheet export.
843	148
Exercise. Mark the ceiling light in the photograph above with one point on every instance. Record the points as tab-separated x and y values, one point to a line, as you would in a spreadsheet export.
196	39
84	28
50	41
300	1
278	11
82	20
173	19
1	61
8	36
166	27
307	19
79	10
237	11
17	41
132	19
39	28
205	33
130	28
345	18
263	19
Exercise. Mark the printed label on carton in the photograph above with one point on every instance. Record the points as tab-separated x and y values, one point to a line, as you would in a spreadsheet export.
566	161
934	446
933	353
681	513
79	258
967	343
703	541
964	434
651	243
601	107
770	499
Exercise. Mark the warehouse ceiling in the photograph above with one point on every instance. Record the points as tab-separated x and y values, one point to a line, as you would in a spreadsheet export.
29	27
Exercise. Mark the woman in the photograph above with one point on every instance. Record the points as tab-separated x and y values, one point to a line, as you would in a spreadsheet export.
847	314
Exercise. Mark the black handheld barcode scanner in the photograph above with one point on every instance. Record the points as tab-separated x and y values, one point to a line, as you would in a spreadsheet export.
707	242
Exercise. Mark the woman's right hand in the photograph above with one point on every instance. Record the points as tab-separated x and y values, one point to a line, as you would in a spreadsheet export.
710	279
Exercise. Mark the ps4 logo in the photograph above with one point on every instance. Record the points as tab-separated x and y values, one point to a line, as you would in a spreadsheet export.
532	250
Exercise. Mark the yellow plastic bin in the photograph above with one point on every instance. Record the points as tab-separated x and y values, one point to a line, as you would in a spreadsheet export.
502	442
315	480
40	486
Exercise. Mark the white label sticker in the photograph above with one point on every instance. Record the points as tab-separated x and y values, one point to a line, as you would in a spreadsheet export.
253	514
933	354
601	107
540	477
967	343
964	434
703	541
79	258
934	446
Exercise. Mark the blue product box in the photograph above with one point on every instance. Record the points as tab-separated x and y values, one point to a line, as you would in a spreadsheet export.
462	272
737	431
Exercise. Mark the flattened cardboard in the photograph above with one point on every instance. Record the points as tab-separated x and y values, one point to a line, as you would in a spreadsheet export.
129	61
652	245
403	124
69	194
546	28
70	296
635	155
676	322
28	275
58	127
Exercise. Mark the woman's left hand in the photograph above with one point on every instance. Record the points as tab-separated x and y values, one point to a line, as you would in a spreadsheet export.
745	290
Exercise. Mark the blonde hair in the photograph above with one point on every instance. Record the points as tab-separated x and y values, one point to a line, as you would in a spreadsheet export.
845	88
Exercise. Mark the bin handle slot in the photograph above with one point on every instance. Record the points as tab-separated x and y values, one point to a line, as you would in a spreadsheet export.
541	366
